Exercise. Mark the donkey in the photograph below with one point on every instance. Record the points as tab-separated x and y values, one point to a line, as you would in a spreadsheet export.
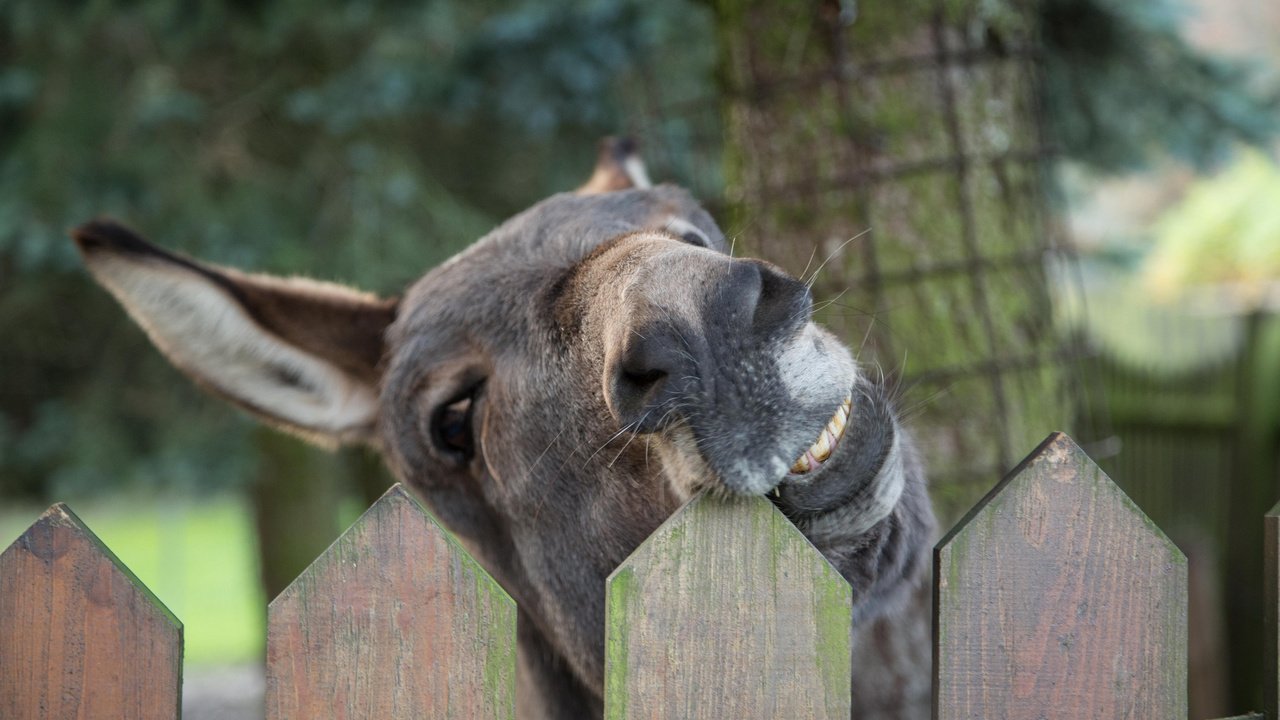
557	390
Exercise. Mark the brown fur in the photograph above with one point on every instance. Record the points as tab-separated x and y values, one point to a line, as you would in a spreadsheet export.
610	174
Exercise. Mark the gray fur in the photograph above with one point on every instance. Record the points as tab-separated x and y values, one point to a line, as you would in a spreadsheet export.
539	323
563	493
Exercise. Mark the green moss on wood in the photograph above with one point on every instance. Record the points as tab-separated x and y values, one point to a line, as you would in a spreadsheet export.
833	607
617	626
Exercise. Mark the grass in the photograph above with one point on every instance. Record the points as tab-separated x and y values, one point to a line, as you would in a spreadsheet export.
198	556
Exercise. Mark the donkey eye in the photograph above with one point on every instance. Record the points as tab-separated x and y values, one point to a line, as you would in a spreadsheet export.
688	232
694	238
452	427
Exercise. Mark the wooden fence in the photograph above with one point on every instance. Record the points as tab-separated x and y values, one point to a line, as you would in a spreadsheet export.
1055	597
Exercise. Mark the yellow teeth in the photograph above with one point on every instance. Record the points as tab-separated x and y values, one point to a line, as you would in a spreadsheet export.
821	448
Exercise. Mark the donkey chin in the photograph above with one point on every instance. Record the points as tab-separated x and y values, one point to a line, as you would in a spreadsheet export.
557	390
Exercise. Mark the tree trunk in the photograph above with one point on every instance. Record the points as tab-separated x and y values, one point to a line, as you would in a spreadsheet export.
295	503
894	150
892	153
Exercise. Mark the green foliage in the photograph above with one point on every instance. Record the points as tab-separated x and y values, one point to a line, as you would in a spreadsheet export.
1226	231
1181	303
356	141
1122	87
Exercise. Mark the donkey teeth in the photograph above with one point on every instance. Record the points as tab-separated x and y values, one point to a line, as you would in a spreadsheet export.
826	442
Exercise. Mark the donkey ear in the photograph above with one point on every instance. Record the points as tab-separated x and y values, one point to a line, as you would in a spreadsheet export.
618	167
301	354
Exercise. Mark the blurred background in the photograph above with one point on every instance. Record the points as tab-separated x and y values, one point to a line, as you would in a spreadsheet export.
1030	216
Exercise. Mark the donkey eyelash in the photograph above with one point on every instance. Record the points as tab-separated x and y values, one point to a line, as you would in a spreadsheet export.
695	239
687	232
453	425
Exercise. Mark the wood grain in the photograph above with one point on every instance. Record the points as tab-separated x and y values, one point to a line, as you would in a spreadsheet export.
394	620
727	611
1056	597
80	636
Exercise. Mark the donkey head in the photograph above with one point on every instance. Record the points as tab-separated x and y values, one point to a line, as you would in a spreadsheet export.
553	392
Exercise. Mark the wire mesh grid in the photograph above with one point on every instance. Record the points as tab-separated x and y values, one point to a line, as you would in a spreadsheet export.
896	159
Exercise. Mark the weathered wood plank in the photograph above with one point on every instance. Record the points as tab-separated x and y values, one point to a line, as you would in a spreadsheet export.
1271	618
80	636
394	620
1055	597
727	611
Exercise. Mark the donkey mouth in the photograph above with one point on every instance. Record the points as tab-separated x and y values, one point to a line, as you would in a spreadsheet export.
820	451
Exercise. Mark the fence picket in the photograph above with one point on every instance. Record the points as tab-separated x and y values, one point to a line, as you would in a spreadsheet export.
80	636
1055	597
727	611
394	620
1271	618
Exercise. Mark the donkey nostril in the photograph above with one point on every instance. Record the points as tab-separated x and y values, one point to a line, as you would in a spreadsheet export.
642	380
653	365
784	303
641	385
637	391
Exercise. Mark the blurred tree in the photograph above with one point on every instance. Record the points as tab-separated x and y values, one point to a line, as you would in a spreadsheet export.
1224	233
355	141
1122	87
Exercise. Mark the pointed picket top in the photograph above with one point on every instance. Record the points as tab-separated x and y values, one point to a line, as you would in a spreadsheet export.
394	620
727	611
80	636
1056	597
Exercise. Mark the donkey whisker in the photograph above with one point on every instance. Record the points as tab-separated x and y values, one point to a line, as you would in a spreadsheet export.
819	307
813	278
625	428
628	442
866	336
544	451
812	254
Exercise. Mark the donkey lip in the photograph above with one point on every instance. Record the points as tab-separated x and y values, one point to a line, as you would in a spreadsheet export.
820	451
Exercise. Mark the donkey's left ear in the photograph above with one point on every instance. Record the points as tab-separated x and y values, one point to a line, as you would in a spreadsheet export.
618	167
300	354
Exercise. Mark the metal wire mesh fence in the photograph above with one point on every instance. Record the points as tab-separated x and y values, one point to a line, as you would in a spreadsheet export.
895	159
